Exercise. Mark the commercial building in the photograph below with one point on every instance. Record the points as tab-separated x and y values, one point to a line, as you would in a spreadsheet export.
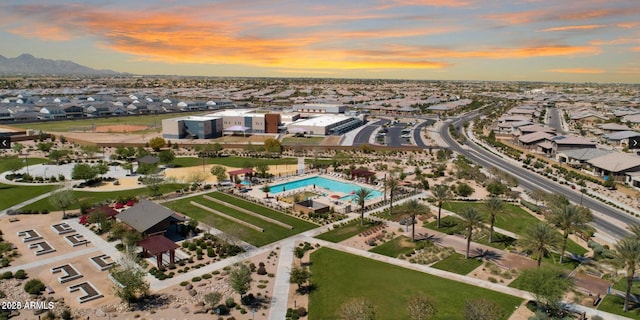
320	108
325	125
194	127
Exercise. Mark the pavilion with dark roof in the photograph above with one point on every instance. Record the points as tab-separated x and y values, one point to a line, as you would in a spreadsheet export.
362	173
150	218
157	246
148	159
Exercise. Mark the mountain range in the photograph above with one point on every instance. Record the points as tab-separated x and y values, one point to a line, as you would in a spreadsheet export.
27	64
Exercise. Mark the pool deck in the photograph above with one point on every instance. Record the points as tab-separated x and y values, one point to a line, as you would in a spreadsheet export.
325	194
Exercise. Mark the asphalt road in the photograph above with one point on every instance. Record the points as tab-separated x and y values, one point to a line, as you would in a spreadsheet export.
530	181
393	136
554	120
363	136
418	130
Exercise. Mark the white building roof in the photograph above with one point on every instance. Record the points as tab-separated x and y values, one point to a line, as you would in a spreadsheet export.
320	121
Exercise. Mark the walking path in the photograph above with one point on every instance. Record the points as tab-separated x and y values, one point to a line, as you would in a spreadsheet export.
280	296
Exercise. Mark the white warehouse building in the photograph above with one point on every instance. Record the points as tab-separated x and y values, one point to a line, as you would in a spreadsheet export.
325	125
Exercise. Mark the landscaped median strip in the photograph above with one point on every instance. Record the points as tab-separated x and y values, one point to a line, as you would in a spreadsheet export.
236	220
253	214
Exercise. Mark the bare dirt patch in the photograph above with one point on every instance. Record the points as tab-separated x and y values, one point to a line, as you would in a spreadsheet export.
120	128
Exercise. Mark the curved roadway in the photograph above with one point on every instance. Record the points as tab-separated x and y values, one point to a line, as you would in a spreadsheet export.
365	134
530	181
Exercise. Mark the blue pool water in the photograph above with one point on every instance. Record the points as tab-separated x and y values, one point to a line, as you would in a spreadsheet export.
325	183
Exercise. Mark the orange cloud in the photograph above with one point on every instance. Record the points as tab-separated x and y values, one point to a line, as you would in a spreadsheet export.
43	31
577	70
489	53
554	14
430	3
614	42
636	49
574	28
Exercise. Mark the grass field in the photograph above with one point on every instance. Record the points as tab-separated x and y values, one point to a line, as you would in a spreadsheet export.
339	276
271	232
345	232
10	195
514	218
8	162
236	162
68	125
457	263
95	197
394	248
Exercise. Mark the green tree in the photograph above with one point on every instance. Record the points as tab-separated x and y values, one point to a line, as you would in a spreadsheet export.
90	150
101	168
541	238
441	193
494	206
18	147
356	309
166	156
128	166
219	172
83	171
421	307
44	146
56	155
240	279
213	298
262	168
628	255
496	188
361	196
266	189
131	280
217	147
391	185
98	217
471	219
413	208
464	190
299	276
157	143
34	286
299	253
570	219
62	199
547	284
131	239
126	153
154	185
272	146
482	309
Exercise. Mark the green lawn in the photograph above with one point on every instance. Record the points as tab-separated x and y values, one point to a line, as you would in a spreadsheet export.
394	248
11	195
296	223
614	304
514	219
271	232
7	162
95	197
457	263
79	124
345	232
339	276
235	162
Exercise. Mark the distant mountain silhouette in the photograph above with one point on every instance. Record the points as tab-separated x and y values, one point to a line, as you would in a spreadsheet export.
30	65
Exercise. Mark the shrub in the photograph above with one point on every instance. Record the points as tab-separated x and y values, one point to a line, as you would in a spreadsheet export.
196	279
7	275
184	283
301	312
207	276
34	286
230	303
20	274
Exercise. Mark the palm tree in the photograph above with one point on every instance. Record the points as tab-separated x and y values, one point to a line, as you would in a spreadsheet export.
635	231
392	185
471	219
494	206
541	238
414	208
441	193
628	254
361	196
569	219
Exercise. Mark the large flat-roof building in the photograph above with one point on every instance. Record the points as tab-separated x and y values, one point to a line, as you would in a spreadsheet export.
196	127
212	125
320	108
325	125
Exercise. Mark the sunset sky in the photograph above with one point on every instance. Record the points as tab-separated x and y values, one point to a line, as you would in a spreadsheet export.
537	40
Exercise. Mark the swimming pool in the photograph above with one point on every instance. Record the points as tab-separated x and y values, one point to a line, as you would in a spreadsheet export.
333	185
